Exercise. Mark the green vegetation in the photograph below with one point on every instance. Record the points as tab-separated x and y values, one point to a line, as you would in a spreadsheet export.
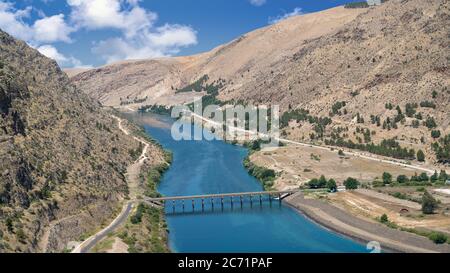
402	179
351	183
331	185
146	232
336	108
387	178
435	134
264	175
420	156
438	238
384	219
134	101
430	123
410	109
154	176
196	86
442	149
303	115
428	104
389	147
202	85
156	109
429	204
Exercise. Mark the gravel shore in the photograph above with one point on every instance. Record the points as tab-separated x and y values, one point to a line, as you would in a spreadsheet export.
337	220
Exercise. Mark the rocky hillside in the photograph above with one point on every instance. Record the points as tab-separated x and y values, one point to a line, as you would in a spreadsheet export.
362	75
63	158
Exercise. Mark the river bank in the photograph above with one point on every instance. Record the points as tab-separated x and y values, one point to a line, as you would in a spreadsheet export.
337	220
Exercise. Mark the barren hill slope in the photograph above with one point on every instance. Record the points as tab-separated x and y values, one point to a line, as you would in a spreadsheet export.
381	72
252	55
63	158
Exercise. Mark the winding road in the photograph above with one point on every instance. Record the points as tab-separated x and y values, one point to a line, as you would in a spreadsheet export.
132	177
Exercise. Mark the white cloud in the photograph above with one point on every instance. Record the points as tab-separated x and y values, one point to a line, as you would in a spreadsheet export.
52	53
257	3
139	38
52	29
11	21
295	12
125	15
164	41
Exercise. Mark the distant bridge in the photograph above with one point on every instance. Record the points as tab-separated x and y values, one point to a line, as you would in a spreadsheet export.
223	197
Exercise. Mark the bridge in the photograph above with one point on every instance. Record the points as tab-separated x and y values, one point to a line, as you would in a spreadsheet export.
223	197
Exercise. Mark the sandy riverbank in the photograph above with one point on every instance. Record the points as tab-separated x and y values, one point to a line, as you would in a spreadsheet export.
337	220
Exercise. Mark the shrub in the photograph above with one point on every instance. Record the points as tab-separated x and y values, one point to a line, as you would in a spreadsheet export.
331	185
384	219
438	238
402	179
351	183
429	204
387	178
420	156
428	104
435	134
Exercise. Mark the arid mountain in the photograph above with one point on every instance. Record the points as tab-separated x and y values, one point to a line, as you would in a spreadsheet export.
63	158
250	56
369	59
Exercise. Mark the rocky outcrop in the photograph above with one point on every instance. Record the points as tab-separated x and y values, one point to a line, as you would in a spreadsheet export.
63	158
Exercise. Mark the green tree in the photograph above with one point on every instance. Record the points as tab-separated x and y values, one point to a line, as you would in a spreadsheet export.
351	183
424	177
420	156
402	179
331	185
322	181
429	204
434	177
387	178
435	134
313	183
384	219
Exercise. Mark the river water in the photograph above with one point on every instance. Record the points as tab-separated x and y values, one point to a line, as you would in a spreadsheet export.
210	167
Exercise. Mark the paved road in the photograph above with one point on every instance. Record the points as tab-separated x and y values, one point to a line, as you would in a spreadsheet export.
88	244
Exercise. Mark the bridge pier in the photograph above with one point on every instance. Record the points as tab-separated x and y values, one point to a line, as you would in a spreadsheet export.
223	197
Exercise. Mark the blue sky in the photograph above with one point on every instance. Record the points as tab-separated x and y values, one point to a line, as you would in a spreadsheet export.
80	33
